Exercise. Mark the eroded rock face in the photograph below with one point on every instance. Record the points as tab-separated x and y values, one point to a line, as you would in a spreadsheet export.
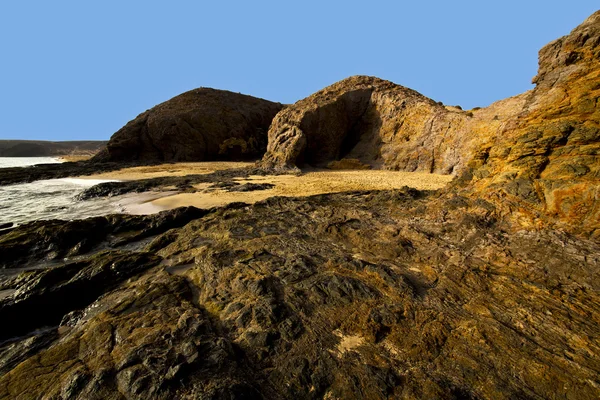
399	294
378	295
536	155
380	124
200	125
60	240
545	165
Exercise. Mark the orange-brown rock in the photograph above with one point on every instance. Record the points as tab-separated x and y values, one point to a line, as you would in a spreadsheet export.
375	121
199	125
545	163
536	154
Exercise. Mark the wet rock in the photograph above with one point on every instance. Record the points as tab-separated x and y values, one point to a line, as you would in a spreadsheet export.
55	240
46	296
412	294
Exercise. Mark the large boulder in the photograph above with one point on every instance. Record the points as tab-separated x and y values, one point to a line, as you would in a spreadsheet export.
199	125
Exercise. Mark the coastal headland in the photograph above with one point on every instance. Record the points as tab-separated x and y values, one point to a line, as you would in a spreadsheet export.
364	242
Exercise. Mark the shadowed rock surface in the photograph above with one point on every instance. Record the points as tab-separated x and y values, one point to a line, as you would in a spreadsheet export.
200	125
360	295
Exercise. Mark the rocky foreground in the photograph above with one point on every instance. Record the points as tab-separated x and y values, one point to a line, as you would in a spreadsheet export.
487	289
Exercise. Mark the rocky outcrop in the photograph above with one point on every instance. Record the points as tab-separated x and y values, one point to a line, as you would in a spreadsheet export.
535	154
399	294
382	125
378	295
200	125
544	166
55	240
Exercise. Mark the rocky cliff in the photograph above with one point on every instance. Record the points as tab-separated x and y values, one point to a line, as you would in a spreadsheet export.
545	165
383	125
200	125
536	154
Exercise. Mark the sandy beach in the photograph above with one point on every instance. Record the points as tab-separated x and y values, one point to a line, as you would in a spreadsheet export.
308	183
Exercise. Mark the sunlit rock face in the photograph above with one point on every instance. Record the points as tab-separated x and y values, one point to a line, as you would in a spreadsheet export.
536	153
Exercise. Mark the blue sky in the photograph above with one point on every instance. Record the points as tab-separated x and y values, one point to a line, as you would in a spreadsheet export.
81	69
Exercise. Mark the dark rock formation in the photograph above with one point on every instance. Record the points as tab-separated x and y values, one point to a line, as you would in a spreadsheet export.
199	125
361	295
46	296
59	240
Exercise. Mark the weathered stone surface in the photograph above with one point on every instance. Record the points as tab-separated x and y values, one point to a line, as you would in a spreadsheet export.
200	125
535	154
361	295
45	296
382	125
56	240
544	167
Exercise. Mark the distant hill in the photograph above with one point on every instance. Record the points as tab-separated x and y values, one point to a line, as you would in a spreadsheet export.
40	148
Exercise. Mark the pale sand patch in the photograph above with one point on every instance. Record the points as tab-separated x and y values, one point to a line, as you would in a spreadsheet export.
175	169
348	342
310	183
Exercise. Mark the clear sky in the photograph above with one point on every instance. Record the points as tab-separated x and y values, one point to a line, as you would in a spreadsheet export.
81	69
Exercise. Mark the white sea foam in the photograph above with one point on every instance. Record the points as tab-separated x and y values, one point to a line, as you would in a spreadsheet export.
6	162
84	182
51	199
57	198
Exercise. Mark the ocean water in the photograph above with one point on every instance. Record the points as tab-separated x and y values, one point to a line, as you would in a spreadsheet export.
56	198
6	162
